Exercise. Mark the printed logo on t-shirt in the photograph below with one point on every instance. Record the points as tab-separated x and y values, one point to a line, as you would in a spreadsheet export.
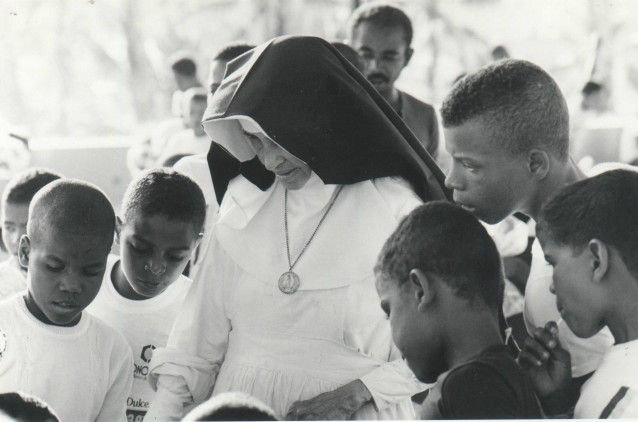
147	353
3	342
140	371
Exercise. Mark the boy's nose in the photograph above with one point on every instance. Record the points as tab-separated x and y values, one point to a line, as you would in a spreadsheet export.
71	284
155	267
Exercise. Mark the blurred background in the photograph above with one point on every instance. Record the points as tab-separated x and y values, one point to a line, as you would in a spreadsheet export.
82	80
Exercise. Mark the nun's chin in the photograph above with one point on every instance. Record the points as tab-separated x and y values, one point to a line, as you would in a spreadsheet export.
296	180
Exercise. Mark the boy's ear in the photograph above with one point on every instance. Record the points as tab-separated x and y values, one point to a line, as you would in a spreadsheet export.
599	258
408	55
118	229
200	236
24	251
423	287
538	163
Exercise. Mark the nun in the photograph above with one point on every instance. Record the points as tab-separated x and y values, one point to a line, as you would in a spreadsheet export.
313	170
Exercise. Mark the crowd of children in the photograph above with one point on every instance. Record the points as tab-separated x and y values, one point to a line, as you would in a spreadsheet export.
79	320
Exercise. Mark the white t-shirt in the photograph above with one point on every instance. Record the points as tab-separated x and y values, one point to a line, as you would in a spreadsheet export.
81	372
145	324
196	167
184	143
612	392
12	279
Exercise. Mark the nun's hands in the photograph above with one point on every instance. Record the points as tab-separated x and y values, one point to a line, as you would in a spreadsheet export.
337	404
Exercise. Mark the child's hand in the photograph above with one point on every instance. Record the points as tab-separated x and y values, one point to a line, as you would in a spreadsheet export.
546	362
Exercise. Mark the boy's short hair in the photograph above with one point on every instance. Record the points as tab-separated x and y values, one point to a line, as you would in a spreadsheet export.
444	239
165	192
26	408
382	15
603	207
520	103
591	87
183	65
231	51
231	406
197	93
71	206
22	187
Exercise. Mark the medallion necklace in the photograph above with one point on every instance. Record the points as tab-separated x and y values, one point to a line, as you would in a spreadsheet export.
289	281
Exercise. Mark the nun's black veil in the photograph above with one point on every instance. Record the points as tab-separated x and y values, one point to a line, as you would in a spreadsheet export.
311	101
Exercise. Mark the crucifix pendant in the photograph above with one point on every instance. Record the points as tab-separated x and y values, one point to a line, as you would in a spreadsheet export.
289	282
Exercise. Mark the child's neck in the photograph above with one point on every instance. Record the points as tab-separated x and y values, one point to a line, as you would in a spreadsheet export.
561	175
473	333
121	284
622	320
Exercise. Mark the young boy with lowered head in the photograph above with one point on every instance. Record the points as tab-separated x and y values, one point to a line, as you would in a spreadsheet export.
589	233
49	347
159	226
440	282
14	214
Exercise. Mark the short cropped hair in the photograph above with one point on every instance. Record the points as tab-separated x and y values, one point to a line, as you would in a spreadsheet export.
184	66
71	206
231	406
231	51
444	239
603	207
520	103
197	93
382	15
591	87
165	192
23	186
26	408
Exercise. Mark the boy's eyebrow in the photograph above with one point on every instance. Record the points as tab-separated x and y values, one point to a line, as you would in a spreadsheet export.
179	248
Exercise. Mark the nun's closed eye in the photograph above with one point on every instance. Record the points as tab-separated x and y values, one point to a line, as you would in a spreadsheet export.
255	142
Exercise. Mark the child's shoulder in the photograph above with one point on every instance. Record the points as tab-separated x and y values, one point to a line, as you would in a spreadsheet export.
107	337
491	384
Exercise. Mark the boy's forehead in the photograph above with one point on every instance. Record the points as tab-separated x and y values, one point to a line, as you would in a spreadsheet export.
14	210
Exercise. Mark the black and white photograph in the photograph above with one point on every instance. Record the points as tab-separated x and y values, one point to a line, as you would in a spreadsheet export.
261	210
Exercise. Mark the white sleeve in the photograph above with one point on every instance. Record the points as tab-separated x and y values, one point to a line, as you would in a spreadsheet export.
189	364
391	383
121	380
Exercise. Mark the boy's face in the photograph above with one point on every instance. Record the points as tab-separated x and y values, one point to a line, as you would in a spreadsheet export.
65	273
195	115
578	298
488	181
412	333
384	53
154	251
14	225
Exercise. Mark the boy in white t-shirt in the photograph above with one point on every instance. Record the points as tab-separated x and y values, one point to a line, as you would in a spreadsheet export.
191	140
589	233
49	347
159	226
14	213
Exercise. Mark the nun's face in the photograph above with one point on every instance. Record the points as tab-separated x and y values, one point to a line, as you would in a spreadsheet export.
290	170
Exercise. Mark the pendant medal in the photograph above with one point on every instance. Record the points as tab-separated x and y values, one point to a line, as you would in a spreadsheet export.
289	282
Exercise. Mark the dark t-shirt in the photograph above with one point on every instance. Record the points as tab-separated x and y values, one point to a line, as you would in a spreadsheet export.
490	386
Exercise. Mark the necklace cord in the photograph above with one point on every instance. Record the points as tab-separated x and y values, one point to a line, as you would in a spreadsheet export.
334	198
